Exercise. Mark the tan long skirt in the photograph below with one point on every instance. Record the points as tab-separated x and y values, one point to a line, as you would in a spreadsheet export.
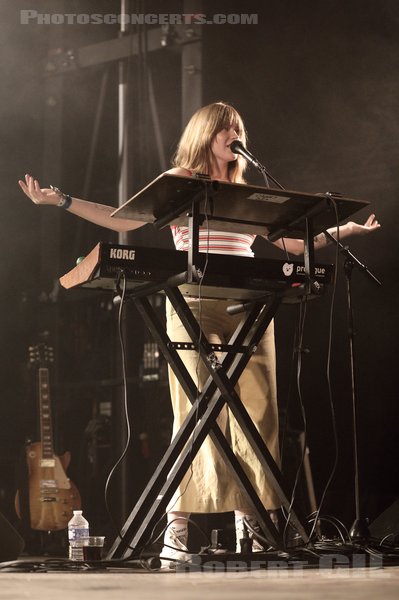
209	485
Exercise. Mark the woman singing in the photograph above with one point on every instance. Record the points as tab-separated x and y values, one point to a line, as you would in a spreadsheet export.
204	149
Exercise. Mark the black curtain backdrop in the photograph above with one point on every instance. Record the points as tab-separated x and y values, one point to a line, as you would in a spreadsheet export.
316	83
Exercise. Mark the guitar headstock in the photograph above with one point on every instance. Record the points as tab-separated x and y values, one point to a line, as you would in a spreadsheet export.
41	355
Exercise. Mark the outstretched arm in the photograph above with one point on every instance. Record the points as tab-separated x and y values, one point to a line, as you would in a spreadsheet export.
99	214
294	246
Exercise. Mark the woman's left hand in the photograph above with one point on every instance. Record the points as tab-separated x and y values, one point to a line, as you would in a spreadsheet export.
370	225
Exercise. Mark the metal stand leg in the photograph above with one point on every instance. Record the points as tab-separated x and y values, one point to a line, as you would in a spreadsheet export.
201	421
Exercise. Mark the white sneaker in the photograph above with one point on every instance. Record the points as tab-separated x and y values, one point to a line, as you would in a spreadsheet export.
242	532
175	547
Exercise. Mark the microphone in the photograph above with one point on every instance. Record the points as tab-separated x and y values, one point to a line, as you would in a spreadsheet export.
238	147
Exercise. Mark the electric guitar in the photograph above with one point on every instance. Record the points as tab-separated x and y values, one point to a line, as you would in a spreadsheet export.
52	495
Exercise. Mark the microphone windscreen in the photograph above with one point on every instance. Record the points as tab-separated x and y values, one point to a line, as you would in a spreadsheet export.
236	146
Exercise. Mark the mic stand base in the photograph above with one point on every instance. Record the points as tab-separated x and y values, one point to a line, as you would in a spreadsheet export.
359	530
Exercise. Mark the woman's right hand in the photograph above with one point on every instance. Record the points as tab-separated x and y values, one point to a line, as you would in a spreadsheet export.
37	194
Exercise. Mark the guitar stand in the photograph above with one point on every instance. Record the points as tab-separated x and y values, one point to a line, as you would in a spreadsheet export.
219	390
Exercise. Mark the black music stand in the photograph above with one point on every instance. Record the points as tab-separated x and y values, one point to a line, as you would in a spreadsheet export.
274	213
233	207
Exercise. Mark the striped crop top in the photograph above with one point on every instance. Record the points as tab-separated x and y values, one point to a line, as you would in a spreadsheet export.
215	242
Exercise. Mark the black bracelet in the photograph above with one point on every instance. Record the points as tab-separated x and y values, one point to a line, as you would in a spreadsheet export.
65	199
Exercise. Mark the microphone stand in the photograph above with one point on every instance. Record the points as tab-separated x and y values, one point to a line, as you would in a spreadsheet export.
359	530
267	176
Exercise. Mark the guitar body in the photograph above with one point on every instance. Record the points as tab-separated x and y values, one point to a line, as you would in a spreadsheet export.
52	495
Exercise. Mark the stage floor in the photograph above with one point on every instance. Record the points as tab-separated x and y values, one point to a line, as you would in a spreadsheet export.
281	584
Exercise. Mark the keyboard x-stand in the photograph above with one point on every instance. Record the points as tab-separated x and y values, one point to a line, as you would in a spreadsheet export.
232	207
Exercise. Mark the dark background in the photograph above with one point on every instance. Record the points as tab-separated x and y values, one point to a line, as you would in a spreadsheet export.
317	85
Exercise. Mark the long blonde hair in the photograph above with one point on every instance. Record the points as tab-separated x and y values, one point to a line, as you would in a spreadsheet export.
194	151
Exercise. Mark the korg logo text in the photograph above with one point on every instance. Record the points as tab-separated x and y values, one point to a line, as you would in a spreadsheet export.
122	254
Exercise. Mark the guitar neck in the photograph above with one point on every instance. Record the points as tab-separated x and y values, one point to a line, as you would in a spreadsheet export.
46	422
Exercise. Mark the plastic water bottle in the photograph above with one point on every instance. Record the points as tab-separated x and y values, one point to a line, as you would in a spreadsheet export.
78	529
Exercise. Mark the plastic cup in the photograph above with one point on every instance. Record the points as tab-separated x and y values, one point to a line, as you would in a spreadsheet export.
93	547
